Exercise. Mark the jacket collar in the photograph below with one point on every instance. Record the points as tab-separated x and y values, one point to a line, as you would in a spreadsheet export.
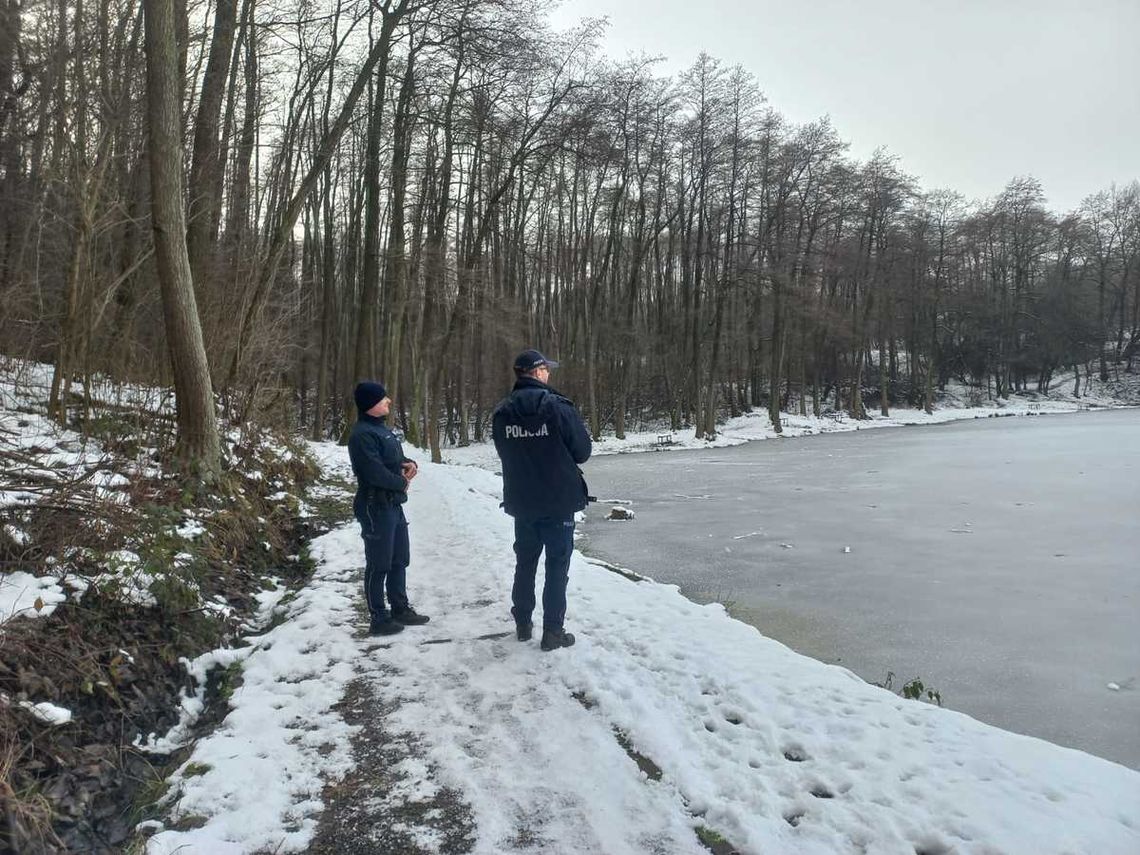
534	383
529	383
372	420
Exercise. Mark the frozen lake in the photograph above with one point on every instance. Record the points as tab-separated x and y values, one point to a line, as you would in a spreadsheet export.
998	559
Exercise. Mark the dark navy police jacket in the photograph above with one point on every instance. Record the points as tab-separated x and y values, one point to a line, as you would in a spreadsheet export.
541	439
377	456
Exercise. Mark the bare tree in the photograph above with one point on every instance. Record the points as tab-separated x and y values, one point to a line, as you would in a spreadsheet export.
198	443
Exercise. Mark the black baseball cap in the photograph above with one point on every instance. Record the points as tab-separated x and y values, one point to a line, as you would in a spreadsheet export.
529	360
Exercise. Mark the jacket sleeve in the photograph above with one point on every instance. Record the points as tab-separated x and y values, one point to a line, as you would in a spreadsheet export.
574	433
497	434
366	454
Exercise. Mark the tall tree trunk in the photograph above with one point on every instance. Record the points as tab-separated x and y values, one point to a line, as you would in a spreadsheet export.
884	379
1102	336
205	189
364	355
10	149
198	442
777	363
328	306
237	215
395	264
435	268
327	351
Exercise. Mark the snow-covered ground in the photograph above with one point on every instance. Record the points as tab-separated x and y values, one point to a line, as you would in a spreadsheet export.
40	456
775	752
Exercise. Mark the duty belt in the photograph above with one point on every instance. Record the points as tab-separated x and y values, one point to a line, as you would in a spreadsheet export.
378	496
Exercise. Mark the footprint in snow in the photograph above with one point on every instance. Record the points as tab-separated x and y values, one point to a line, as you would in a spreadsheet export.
795	754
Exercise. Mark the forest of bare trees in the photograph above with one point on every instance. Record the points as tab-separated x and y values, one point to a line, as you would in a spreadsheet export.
415	190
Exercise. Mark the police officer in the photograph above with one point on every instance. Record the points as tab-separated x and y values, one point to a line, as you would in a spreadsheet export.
541	439
383	474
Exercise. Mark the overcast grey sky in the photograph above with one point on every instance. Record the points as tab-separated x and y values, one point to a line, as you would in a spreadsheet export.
968	93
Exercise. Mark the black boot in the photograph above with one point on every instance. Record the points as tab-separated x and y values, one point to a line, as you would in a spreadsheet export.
552	639
409	617
522	630
384	627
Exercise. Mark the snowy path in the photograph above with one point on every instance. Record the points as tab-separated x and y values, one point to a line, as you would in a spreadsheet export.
775	752
498	715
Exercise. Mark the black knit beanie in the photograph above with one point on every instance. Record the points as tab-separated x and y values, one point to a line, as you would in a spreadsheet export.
368	394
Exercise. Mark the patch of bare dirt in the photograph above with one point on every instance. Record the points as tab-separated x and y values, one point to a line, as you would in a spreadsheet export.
378	808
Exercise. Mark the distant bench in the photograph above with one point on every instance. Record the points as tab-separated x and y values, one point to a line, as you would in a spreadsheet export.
664	439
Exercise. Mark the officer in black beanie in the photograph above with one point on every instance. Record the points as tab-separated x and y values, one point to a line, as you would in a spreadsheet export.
383	474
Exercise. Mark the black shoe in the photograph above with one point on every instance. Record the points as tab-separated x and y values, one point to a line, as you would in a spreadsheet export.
409	617
552	639
384	627
522	630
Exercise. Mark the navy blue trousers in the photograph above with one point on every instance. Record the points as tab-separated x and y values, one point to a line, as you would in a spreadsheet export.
531	537
386	556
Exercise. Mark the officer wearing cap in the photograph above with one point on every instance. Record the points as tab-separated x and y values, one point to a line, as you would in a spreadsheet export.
541	440
383	474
